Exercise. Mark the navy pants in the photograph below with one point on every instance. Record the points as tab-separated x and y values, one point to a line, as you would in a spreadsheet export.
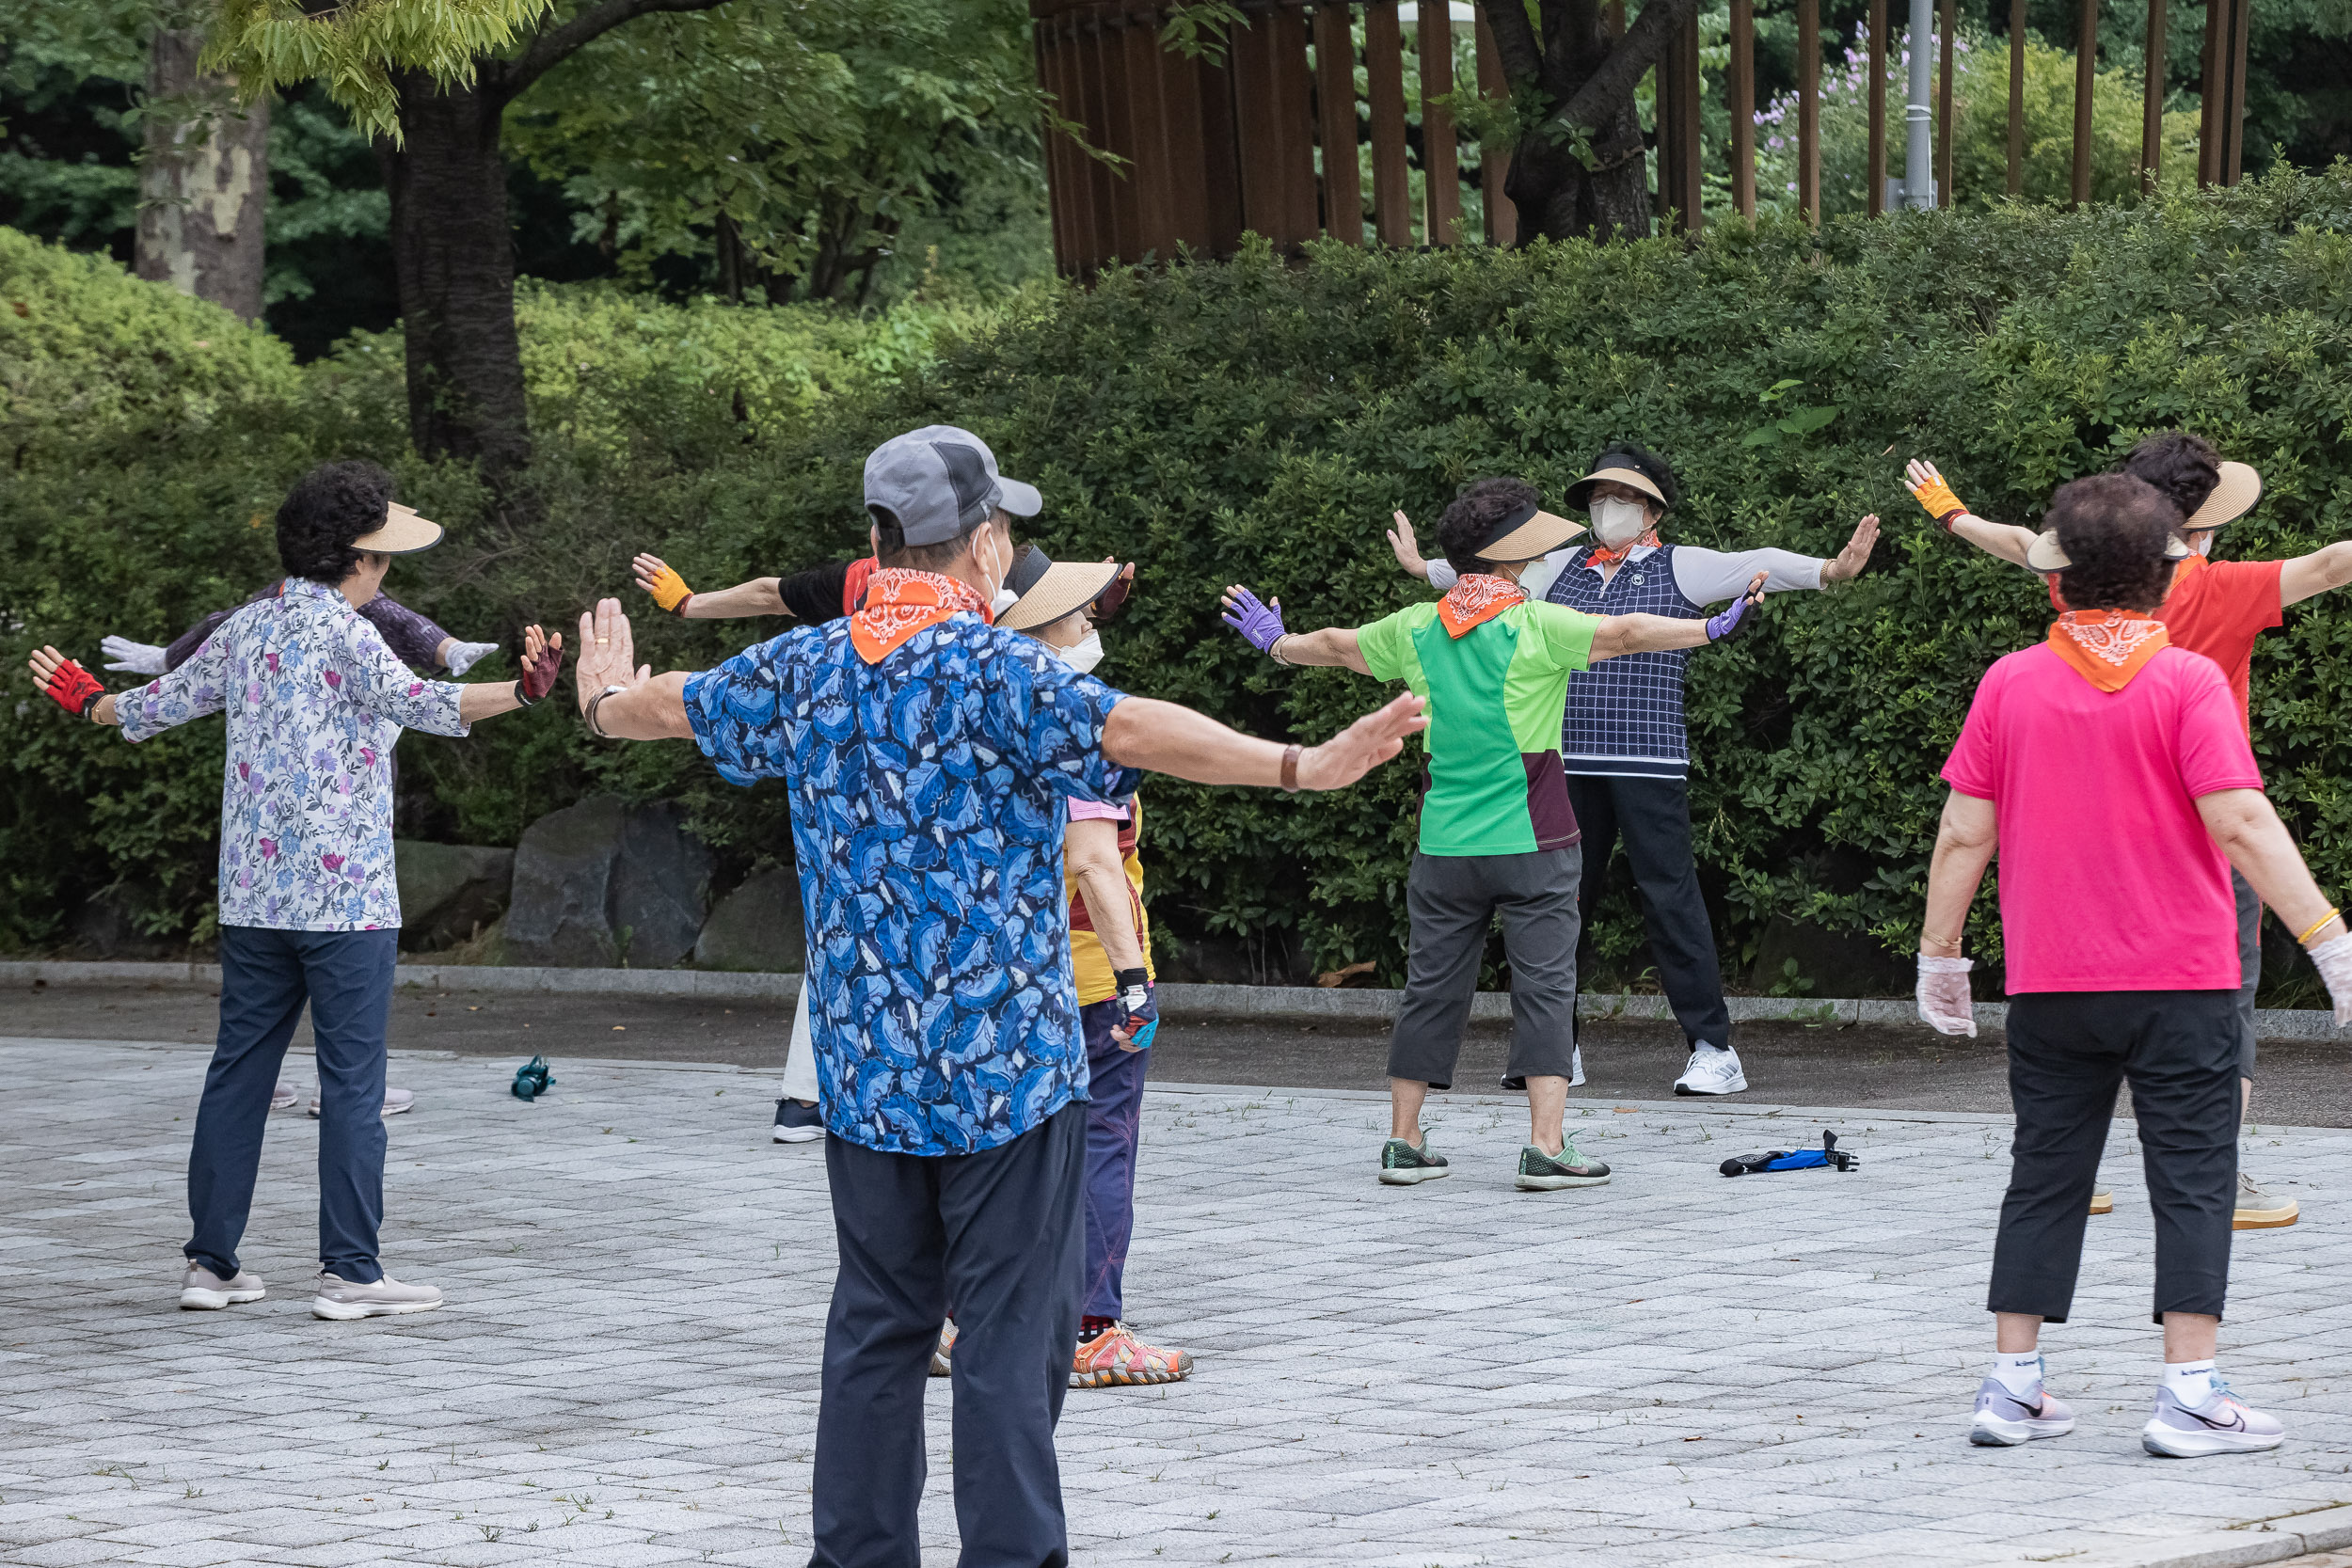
1000	1234
1114	1130
1652	817
265	979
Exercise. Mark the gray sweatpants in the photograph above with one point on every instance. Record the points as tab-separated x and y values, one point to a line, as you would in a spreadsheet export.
1452	900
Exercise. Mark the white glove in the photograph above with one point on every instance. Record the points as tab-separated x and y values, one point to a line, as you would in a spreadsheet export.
1944	999
139	658
2333	959
462	656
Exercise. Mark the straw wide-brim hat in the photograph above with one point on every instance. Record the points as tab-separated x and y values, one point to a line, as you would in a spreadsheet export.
1581	493
2045	555
2241	486
1538	534
1051	589
404	533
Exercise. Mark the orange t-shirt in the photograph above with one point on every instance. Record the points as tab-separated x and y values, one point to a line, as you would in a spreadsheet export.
2217	608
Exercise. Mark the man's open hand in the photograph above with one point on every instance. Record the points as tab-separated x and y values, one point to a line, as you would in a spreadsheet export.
607	652
1406	546
1849	562
1363	746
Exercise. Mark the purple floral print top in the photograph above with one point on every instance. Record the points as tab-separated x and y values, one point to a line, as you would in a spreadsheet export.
315	702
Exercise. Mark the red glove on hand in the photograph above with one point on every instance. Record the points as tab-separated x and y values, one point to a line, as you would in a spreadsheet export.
539	674
74	688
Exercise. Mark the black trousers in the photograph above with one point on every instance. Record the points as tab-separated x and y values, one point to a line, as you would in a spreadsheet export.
1452	900
2068	1052
1001	1234
1652	816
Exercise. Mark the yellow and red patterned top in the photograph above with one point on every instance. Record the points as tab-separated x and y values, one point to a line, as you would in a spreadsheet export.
1091	966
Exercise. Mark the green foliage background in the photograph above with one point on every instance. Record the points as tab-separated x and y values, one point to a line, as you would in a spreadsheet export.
1253	422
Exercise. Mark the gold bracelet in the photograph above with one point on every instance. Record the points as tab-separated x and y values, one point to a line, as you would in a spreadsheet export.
1931	938
2316	925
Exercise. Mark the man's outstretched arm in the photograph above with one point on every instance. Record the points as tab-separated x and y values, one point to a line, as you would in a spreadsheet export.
2308	575
648	706
1618	635
1165	737
2006	540
759	597
1261	625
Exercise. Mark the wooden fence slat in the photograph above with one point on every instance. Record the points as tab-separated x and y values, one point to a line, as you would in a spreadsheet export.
1190	197
1947	52
1440	166
1875	175
1060	199
1809	108
1335	113
2086	77
1680	185
1739	81
1154	173
1384	67
2233	110
2153	62
1494	159
1295	107
1268	64
2017	97
1221	154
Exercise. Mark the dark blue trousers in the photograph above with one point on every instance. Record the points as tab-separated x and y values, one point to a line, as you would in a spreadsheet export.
1114	1129
265	979
1000	1234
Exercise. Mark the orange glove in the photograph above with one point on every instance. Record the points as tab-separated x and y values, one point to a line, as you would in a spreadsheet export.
668	589
1938	498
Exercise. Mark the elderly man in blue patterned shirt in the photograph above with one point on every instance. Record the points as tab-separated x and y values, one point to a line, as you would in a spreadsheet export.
309	909
929	753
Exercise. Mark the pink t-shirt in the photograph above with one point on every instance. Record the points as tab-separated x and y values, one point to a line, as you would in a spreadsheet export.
2108	879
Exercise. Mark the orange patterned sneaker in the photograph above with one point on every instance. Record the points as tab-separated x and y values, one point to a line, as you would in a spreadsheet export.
942	1353
1116	1358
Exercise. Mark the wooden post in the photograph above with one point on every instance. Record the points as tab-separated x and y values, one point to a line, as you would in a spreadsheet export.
2152	101
2017	97
1875	177
1384	68
1494	159
1809	109
1690	188
1742	83
2086	77
1947	56
1440	165
2236	111
1335	104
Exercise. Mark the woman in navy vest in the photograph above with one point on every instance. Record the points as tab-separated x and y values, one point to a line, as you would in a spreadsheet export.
1622	741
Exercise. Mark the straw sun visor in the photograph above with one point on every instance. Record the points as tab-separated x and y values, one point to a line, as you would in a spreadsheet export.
1580	493
1537	534
404	533
1051	589
2241	486
2045	556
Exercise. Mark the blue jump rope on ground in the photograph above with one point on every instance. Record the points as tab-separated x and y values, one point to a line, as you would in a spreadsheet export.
1829	1155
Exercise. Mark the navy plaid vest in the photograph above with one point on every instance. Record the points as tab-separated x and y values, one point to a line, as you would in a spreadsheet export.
1625	714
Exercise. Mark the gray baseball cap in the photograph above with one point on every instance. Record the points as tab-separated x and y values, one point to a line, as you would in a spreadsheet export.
938	481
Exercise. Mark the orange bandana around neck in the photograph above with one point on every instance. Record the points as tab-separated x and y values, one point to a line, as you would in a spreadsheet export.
899	603
2107	647
1601	555
1476	598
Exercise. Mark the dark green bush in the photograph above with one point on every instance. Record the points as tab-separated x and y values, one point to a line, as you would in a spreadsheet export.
1256	422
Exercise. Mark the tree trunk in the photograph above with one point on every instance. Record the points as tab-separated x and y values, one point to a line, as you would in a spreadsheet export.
1560	197
205	180
453	255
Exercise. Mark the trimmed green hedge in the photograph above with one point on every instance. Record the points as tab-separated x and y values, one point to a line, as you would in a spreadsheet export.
1255	421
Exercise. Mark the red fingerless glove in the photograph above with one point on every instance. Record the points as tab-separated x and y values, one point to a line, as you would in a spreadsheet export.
539	674
74	688
1114	597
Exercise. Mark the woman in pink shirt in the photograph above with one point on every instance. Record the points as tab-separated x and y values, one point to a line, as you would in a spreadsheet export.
2110	770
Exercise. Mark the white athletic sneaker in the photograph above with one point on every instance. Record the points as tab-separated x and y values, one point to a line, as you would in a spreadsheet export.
202	1291
340	1299
2221	1425
2004	1419
1711	1069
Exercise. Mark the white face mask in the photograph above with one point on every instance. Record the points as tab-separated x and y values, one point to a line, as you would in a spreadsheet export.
1002	594
2202	544
1085	653
1618	522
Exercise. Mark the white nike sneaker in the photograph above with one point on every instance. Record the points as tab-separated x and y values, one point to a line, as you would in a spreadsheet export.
2221	1425
1711	1069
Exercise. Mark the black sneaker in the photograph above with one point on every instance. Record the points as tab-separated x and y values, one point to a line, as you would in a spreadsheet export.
1545	1173
797	1122
1403	1166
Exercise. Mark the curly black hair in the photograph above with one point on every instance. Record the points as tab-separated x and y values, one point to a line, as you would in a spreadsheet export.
2185	467
329	507
1469	522
2113	529
1625	454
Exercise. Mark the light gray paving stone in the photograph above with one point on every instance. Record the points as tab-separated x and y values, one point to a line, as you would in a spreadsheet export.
1672	1369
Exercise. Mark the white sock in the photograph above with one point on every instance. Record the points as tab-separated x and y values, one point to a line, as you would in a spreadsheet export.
2191	1382
1708	1045
2018	1373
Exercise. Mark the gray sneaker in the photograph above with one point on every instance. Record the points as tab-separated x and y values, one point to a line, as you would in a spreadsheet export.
202	1291
2004	1419
342	1301
2221	1425
1548	1173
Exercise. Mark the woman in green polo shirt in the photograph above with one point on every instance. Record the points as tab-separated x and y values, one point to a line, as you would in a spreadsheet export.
1497	835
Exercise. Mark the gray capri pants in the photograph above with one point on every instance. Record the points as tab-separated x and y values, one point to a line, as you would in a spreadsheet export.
1452	899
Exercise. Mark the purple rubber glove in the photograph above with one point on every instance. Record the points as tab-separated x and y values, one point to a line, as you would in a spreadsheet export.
1734	620
1262	624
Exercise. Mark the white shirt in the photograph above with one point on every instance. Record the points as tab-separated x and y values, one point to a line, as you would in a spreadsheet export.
1704	576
